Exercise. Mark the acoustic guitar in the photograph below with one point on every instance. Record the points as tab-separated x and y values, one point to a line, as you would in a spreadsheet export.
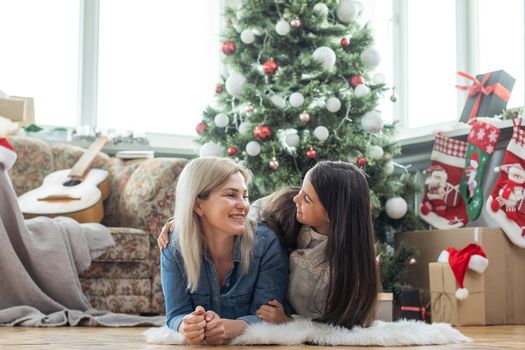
77	192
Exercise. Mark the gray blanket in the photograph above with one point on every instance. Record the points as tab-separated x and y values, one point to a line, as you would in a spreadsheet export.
40	260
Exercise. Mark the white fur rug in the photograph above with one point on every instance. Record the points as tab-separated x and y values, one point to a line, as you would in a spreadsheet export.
306	331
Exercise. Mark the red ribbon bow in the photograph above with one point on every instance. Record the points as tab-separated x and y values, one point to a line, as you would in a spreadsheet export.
421	309
478	88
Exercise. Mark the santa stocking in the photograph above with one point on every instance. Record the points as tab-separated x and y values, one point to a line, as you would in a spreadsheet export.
481	142
505	204
442	205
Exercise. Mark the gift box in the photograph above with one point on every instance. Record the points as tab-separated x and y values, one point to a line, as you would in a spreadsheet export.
444	304
384	307
413	305
506	268
488	95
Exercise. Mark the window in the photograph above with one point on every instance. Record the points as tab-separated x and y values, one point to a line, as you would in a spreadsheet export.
39	59
158	64
501	42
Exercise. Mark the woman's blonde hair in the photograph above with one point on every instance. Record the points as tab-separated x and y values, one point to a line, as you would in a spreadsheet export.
197	180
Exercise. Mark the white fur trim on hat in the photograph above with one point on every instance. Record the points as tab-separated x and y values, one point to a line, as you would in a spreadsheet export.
461	293
7	157
478	263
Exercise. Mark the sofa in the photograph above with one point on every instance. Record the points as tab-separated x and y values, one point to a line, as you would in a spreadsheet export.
127	277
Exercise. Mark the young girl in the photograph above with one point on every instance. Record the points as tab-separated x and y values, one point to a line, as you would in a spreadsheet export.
217	272
333	273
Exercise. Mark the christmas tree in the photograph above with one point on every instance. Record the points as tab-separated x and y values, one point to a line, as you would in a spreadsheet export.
299	88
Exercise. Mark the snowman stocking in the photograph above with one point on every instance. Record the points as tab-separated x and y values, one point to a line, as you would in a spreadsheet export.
442	205
481	142
505	204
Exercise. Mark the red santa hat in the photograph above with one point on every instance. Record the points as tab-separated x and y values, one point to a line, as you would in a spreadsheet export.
7	153
506	167
474	157
434	167
471	256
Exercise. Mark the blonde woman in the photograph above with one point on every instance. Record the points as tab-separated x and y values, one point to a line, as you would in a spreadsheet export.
216	271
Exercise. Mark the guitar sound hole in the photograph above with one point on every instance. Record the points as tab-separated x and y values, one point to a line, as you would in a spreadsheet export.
72	183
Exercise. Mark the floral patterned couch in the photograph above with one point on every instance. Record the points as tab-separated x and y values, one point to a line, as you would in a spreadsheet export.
127	277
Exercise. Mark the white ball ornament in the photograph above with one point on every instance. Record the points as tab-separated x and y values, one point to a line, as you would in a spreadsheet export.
235	84
371	57
221	120
389	168
396	208
292	140
278	101
372	122
326	56
253	148
244	128
346	11
321	133
282	27
296	99
247	36
321	9
376	152
333	104
361	90
378	79
210	149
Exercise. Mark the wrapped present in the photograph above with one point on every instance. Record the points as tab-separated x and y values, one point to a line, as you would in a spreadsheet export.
384	307
413	306
506	268
487	96
446	307
452	195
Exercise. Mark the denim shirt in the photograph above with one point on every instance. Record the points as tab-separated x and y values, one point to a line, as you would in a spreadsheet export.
241	293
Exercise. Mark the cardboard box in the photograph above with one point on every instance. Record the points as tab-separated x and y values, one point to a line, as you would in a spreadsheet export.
503	281
491	104
414	304
444	304
18	109
384	307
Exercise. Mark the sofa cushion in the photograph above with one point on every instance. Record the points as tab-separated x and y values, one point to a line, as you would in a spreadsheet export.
116	286
34	162
147	200
131	244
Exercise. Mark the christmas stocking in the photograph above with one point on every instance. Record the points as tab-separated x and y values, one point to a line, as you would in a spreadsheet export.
442	205
481	142
505	204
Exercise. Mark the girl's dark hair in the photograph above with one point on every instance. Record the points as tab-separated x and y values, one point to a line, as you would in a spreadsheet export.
354	278
280	215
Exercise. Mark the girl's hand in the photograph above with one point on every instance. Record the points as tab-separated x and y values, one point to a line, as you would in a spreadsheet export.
193	326
273	312
163	239
215	332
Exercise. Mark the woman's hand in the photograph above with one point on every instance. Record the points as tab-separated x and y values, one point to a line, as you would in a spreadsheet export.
163	239
193	326
273	313
215	332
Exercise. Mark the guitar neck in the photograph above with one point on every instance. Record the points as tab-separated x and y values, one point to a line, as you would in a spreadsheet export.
83	164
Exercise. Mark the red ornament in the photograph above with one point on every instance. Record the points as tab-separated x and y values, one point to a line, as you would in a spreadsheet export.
270	67
261	132
361	161
274	163
356	80
345	42
232	151
228	47
201	128
218	89
311	153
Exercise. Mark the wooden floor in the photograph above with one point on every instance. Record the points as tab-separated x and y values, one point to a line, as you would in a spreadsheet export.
495	337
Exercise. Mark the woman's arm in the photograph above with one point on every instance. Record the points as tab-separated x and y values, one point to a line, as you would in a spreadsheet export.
272	280
177	300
